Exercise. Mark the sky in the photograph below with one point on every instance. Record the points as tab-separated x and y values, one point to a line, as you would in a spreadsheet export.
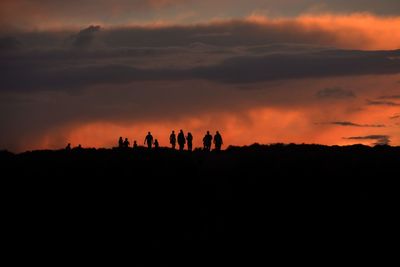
305	71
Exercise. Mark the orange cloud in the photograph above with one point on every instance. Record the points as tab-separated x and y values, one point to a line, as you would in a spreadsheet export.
354	31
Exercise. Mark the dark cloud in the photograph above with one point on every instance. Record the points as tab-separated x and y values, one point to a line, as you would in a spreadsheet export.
297	66
68	69
86	36
348	123
229	33
335	93
380	139
381	103
396	116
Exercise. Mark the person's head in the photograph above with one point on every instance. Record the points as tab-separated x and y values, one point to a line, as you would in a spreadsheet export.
217	132
134	142
126	139
173	131
181	131
149	133
208	132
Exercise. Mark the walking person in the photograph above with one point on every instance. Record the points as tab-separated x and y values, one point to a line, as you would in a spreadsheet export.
181	140
126	143
189	139
207	141
120	142
218	141
149	140
156	144
172	139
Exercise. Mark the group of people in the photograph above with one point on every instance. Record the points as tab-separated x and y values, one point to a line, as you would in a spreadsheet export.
181	139
208	139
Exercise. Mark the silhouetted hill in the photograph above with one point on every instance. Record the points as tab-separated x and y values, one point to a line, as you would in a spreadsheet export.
244	199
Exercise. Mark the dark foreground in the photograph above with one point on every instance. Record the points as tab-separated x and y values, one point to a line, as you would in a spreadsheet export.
281	202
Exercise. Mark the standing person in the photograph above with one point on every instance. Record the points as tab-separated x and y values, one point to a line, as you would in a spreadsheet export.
120	142
172	139
218	141
126	143
181	140
68	147
189	139
156	145
149	140
207	141
134	144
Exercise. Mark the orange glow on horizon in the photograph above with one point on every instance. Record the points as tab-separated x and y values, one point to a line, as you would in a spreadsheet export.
263	125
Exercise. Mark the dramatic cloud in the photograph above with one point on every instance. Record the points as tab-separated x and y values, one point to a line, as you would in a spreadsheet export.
70	69
380	139
255	79
355	31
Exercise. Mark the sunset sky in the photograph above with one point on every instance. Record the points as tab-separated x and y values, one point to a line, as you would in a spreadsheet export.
267	71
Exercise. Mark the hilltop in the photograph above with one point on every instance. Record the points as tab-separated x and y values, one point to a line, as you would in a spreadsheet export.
230	201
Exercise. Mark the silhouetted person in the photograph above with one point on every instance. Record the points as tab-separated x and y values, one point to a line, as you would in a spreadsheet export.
156	145
207	141
189	139
126	143
149	140
134	144
79	147
68	147
218	141
181	140
172	139
120	142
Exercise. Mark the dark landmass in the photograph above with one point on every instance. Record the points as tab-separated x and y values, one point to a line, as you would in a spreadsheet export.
289	200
